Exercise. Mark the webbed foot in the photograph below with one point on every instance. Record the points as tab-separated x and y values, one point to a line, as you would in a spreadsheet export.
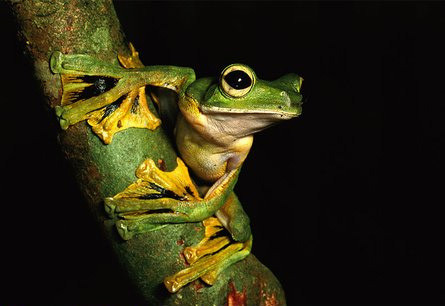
109	97
209	258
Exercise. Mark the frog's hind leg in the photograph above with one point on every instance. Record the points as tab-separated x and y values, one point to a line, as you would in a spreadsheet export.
160	197
215	253
225	262
215	238
209	267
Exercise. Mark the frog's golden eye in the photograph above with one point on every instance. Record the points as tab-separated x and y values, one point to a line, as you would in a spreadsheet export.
236	80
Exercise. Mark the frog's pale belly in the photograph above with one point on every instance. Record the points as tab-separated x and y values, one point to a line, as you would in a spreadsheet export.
202	157
209	160
208	167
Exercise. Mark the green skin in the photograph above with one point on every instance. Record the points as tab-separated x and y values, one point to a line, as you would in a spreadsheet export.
213	134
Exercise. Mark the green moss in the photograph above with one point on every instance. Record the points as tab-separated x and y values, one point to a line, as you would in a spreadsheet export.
118	161
101	37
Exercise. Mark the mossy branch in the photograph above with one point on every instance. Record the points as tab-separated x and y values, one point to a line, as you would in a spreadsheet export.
92	27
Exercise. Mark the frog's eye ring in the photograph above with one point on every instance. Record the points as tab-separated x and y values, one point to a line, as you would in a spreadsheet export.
236	80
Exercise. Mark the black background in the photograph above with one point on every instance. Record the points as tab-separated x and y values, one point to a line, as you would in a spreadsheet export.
346	202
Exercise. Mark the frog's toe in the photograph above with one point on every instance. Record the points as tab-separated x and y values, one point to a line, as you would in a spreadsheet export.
110	207
127	229
55	62
123	230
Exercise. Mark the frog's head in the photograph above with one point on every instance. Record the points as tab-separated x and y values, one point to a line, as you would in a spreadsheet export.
241	103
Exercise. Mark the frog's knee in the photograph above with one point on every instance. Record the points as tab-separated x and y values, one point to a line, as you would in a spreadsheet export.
240	228
55	62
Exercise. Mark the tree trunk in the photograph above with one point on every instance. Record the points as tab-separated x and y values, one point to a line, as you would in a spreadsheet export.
92	27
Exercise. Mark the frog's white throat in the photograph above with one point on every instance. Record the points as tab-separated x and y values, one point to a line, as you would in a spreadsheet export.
239	123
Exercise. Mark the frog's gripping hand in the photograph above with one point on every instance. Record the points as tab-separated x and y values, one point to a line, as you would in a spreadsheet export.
160	197
110	97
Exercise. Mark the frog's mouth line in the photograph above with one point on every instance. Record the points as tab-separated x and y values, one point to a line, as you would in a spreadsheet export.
275	113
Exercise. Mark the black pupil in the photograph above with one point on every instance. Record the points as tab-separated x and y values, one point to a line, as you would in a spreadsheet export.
238	79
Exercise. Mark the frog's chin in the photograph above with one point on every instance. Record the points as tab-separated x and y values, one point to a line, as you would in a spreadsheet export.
273	115
240	123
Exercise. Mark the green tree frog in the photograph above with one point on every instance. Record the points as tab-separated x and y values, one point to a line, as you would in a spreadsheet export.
214	132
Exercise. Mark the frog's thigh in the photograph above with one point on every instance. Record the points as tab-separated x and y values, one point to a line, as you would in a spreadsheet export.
234	218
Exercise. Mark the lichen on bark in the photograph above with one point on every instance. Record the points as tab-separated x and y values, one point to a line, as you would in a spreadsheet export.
92	27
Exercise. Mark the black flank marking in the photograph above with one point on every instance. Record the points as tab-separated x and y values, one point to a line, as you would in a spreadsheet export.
110	108
135	107
99	85
163	193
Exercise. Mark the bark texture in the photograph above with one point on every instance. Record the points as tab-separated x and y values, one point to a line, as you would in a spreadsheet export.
92	27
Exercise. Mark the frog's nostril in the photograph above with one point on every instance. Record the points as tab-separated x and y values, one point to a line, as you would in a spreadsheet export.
286	98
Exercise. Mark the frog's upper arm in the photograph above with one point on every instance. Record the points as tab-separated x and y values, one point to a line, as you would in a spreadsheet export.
167	101
241	148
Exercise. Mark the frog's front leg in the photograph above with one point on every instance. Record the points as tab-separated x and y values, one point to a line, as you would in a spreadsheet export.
138	216
111	97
